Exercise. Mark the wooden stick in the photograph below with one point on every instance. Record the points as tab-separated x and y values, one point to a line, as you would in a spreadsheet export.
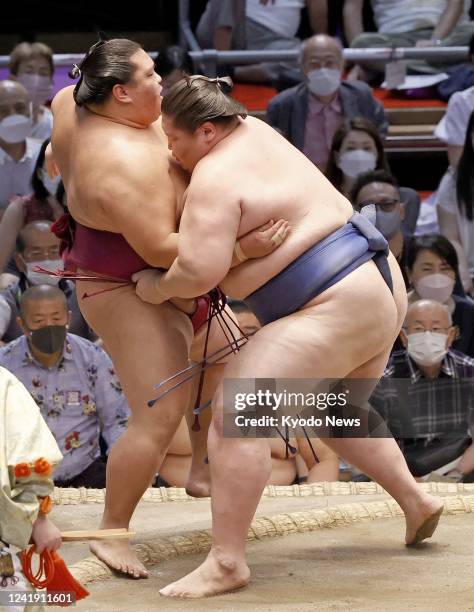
98	534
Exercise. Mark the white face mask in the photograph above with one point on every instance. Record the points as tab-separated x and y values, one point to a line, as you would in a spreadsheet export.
355	162
51	185
427	348
324	81
39	87
38	278
438	287
15	128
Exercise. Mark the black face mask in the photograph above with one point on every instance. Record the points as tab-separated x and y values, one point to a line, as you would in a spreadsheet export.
49	339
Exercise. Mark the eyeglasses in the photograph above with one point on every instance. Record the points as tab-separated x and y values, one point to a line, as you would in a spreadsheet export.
386	205
39	254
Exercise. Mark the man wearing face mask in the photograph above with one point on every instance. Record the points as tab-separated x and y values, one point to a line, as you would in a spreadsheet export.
37	246
379	190
18	152
309	114
433	414
31	64
72	381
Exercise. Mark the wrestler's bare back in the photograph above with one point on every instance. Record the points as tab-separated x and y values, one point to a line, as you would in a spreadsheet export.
118	178
257	168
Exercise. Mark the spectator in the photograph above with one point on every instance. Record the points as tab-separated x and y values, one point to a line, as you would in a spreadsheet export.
310	114
73	383
222	25
41	204
31	64
437	402
380	188
432	270
455	199
408	23
18	152
453	126
37	246
172	64
260	25
461	76
357	148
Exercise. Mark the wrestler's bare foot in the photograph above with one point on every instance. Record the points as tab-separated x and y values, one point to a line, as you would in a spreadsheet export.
119	556
214	577
199	480
197	488
422	521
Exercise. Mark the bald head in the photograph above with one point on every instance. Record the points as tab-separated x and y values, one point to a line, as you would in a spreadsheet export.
29	234
428	315
322	49
36	242
13	92
14	100
43	302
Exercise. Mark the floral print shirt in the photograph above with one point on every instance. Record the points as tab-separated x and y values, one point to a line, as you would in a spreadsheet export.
79	398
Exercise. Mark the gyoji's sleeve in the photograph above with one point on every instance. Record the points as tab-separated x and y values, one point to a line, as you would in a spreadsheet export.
28	456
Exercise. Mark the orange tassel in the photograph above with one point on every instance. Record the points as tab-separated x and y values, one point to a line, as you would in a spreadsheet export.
63	580
52	574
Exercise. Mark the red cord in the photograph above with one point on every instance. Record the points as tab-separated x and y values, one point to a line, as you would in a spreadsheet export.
45	572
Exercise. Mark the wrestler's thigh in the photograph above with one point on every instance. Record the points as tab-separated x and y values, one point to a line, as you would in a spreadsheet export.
147	343
352	323
298	346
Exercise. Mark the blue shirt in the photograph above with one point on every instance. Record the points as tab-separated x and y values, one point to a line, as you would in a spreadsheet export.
79	398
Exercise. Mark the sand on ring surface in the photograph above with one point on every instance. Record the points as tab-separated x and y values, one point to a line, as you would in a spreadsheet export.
363	566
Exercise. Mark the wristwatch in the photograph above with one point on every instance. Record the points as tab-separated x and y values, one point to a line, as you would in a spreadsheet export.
437	42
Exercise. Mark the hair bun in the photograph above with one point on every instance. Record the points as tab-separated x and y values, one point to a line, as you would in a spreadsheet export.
225	83
75	72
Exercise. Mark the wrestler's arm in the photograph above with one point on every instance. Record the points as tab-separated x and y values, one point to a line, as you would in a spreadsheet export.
208	231
138	197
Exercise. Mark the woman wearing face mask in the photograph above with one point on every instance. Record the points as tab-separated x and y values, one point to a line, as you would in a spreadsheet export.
455	208
32	65
42	204
356	149
432	270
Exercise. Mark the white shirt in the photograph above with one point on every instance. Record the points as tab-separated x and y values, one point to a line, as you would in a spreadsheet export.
395	16
452	127
283	17
15	176
447	200
44	127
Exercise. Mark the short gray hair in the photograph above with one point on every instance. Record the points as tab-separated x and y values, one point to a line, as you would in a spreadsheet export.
424	302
